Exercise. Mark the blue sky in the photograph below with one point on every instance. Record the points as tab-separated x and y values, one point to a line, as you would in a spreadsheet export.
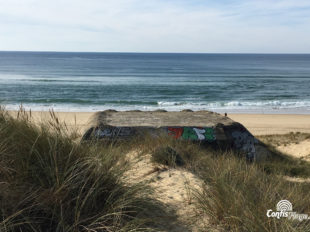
242	26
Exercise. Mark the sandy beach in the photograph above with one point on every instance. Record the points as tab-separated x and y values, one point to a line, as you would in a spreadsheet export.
268	124
257	124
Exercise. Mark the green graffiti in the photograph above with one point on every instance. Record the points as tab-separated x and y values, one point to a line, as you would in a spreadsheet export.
192	133
189	133
209	134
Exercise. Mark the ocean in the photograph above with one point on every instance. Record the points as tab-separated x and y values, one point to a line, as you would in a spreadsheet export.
244	83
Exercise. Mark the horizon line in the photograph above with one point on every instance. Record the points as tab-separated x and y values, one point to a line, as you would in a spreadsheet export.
206	53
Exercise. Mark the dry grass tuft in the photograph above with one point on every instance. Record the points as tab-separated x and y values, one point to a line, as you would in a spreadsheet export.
48	182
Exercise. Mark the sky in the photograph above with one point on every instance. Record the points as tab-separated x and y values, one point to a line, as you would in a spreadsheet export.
194	26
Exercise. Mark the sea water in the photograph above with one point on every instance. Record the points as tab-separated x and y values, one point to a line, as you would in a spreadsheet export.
245	83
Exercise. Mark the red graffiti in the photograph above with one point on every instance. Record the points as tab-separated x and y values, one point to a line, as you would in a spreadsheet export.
175	132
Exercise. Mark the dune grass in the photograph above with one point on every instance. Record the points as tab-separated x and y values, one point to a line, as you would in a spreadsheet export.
284	139
51	182
283	164
236	194
48	182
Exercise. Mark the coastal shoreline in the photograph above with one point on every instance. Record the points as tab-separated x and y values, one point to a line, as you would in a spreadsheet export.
257	124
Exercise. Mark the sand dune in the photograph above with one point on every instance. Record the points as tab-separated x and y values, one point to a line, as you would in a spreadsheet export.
172	187
298	150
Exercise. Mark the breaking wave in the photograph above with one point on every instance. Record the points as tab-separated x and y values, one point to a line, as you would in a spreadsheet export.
229	106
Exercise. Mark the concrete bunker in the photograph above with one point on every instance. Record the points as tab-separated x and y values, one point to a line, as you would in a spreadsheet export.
203	126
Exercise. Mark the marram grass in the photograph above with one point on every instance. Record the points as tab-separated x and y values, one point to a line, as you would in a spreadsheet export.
51	182
236	194
48	182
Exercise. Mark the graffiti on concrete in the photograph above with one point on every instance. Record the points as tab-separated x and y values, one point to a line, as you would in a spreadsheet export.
233	136
192	133
176	132
206	134
113	132
244	141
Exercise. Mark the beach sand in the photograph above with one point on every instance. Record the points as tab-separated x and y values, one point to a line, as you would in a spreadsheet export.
76	120
257	124
268	124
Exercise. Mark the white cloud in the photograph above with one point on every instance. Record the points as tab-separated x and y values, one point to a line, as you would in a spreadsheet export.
155	26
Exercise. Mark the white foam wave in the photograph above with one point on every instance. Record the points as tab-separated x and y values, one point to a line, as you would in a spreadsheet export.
229	106
241	104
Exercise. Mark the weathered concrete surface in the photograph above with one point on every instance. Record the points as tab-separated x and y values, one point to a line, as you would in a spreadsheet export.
203	126
159	118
